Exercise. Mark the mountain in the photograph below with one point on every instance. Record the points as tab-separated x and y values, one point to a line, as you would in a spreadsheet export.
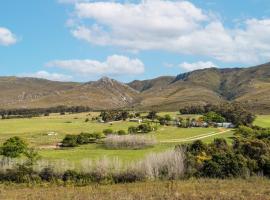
31	92
251	86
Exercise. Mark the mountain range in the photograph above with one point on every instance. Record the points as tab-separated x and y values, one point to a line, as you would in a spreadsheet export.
250	86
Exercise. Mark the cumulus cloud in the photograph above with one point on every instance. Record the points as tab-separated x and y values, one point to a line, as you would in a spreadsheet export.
197	65
7	37
49	76
176	26
114	65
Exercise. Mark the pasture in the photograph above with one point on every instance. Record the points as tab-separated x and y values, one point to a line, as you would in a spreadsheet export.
262	121
44	133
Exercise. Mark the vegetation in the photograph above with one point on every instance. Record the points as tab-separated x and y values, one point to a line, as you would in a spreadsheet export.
142	128
249	155
231	112
13	147
82	138
213	117
114	115
128	142
193	189
34	112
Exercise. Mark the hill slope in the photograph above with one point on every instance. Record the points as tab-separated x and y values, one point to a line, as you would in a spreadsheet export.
250	86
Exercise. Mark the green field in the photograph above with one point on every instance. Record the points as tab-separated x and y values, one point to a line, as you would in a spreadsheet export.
36	132
263	121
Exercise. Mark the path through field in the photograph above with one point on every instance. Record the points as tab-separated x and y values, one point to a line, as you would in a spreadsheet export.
197	137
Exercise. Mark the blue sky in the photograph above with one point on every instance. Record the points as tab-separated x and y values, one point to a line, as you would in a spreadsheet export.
81	40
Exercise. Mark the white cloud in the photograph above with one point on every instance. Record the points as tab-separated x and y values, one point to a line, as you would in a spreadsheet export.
197	65
49	76
114	65
7	37
175	26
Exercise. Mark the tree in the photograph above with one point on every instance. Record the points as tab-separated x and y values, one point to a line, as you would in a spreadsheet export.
13	147
152	115
213	117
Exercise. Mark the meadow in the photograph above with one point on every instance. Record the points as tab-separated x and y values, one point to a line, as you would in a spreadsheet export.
44	133
192	189
262	121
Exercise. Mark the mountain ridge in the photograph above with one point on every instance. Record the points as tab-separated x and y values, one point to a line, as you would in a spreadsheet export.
250	86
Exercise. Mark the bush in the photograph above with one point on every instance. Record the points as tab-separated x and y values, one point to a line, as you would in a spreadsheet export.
70	175
86	138
70	141
144	128
47	174
225	165
108	131
128	142
121	132
13	147
132	130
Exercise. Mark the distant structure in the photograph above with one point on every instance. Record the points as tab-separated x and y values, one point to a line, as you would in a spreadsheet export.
136	120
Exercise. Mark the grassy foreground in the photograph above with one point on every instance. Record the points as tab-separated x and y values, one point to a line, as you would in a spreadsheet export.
254	188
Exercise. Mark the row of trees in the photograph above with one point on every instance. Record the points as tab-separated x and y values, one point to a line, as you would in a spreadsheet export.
82	138
231	112
114	115
32	112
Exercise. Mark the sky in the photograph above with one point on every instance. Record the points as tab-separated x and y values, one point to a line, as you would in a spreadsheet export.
83	40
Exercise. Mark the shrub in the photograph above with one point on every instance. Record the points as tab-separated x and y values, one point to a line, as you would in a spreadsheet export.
121	132
108	131
144	128
13	147
70	175
47	174
225	165
70	141
128	142
86	138
132	130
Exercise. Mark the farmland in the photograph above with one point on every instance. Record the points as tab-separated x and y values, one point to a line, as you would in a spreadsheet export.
44	133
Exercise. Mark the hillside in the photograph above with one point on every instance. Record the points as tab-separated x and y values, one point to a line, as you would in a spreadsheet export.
250	86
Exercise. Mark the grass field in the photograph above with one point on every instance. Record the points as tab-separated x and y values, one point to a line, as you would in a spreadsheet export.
234	189
263	121
35	131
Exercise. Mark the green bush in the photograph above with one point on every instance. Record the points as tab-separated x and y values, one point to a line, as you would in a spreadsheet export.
108	131
70	141
144	128
86	138
132	130
121	132
13	147
225	165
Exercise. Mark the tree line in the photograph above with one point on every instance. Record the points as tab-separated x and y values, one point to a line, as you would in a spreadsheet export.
34	112
232	112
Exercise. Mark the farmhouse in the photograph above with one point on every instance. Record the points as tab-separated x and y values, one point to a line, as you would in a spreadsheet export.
226	125
136	120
